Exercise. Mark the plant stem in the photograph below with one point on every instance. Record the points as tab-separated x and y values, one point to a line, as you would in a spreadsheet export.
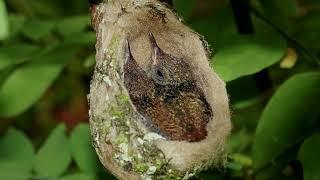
241	12
291	40
242	17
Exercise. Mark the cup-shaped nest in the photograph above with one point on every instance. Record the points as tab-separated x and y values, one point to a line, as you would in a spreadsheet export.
157	108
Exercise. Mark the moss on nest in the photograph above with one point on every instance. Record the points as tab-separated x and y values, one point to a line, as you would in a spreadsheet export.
135	151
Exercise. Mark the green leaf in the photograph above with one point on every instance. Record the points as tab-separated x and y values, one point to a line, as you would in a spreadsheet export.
40	8
184	7
4	74
27	83
207	175
16	23
306	31
240	55
80	176
48	8
90	61
279	12
309	157
82	149
88	176
248	55
83	39
5	61
78	7
4	23
21	6
72	25
242	89
289	116
36	28
16	156
239	141
217	29
54	156
9	55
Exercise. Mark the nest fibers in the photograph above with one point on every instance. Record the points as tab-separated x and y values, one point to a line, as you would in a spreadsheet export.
125	145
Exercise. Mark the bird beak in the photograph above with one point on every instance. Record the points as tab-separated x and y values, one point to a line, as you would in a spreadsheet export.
128	54
156	51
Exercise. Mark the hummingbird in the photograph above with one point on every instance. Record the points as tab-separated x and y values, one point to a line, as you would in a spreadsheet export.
167	95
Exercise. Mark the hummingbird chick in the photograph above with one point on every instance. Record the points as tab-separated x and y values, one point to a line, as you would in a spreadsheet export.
166	69
140	88
167	95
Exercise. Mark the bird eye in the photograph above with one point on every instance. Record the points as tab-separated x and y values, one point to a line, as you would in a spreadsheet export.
159	75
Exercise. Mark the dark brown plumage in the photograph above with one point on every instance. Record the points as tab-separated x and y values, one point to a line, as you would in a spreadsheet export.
167	96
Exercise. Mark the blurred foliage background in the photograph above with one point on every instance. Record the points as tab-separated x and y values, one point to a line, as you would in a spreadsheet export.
266	50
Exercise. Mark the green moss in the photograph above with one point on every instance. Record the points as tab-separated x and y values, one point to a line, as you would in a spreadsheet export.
144	157
117	114
112	49
121	138
123	99
105	127
140	168
114	42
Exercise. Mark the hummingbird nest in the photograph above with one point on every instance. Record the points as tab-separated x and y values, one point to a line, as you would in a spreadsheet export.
157	109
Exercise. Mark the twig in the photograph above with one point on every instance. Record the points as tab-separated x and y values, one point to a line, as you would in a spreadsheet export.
241	12
286	36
